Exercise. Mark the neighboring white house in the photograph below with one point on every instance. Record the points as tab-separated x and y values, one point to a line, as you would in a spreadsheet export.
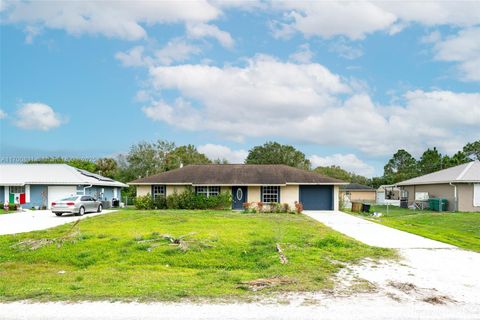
38	185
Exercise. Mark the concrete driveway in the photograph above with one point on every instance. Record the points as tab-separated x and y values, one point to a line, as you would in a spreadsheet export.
374	234
428	271
37	220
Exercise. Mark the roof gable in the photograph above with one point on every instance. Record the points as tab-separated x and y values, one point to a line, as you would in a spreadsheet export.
237	174
43	173
467	172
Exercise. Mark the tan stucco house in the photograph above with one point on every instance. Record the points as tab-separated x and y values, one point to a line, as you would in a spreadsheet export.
247	183
358	192
460	185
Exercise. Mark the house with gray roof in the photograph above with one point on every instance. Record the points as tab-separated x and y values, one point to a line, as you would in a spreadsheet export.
38	185
460	185
358	192
247	183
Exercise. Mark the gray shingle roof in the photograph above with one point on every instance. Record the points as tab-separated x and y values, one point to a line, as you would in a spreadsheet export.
467	172
356	187
58	174
237	174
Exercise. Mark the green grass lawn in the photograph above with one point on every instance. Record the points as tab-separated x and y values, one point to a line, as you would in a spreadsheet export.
461	229
124	255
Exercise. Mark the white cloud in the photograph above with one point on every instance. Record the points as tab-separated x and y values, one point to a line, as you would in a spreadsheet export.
303	54
176	50
3	114
308	103
345	50
328	18
463	48
202	30
356	19
216	151
38	116
133	58
349	162
118	19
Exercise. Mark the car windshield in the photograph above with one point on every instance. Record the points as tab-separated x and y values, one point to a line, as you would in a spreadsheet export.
69	199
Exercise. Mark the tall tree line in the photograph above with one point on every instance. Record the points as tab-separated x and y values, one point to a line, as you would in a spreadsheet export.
148	158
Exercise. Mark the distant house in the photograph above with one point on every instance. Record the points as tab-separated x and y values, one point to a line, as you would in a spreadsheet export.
38	185
247	183
358	192
388	194
460	185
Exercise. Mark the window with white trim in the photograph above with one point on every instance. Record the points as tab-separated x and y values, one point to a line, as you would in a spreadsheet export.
476	195
158	191
17	189
207	191
270	194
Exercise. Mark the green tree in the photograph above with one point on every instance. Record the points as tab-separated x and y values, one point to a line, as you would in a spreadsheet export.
221	161
275	153
107	167
147	158
457	159
472	150
339	173
184	155
401	166
74	162
430	161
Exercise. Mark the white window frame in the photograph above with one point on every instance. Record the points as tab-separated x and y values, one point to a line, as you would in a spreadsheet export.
208	191
17	189
158	190
476	195
270	194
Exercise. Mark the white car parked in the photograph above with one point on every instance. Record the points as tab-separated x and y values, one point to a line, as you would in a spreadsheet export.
78	205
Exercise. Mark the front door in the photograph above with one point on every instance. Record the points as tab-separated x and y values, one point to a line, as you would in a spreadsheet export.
239	195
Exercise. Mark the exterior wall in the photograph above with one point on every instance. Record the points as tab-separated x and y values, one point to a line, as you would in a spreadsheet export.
226	189
144	190
445	191
289	194
254	194
173	189
369	196
465	198
38	196
336	194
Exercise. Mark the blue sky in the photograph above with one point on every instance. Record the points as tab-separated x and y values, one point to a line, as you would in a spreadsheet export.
346	83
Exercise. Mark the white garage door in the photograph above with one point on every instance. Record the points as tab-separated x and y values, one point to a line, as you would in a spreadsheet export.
59	192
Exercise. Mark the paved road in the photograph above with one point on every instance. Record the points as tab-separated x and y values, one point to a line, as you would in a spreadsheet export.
37	220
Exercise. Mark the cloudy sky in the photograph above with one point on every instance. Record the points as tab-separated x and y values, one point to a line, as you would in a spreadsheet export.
346	83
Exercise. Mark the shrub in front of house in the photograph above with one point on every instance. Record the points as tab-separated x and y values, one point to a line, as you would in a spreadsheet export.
275	207
144	202
160	202
188	199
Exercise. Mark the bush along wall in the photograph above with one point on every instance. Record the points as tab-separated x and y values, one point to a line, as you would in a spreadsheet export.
275	207
188	199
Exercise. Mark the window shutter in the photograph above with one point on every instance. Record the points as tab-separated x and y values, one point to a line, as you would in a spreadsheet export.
476	195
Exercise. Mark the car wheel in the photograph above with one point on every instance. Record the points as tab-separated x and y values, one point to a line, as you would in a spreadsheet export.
100	207
81	211
58	214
